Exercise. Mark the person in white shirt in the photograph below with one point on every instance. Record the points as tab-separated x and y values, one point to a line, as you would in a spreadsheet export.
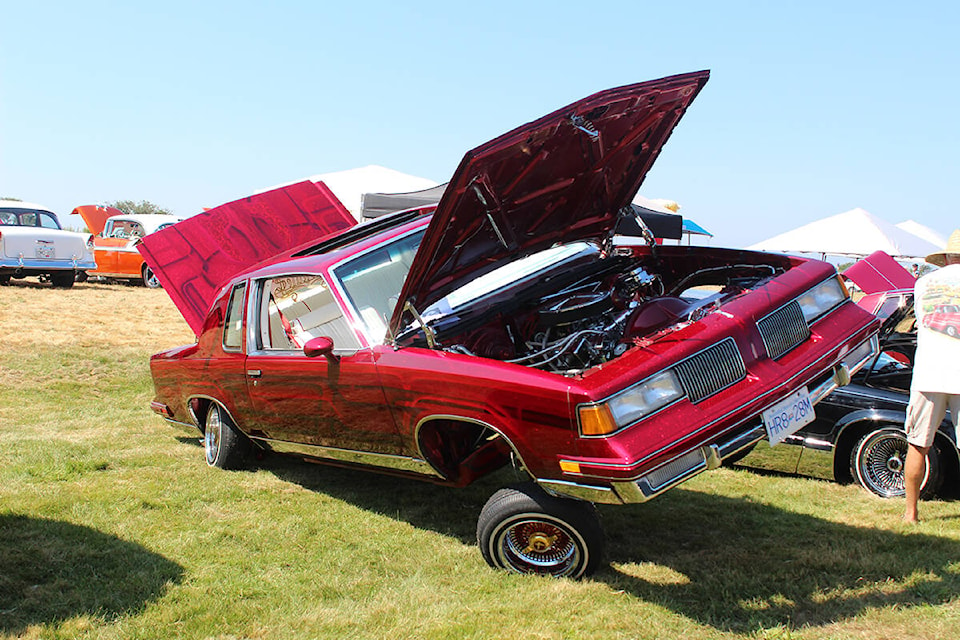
936	368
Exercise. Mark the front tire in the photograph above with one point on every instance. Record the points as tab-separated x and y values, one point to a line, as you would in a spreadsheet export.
525	530
224	446
878	461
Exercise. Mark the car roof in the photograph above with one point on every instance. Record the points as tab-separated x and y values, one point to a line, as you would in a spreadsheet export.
17	204
312	259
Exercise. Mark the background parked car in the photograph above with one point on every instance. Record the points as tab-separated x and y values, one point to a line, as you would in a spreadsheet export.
32	243
858	434
116	241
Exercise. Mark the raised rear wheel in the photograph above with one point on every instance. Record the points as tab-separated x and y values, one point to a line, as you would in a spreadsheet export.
525	530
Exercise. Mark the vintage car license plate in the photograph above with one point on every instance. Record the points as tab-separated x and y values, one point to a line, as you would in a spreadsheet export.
46	250
788	416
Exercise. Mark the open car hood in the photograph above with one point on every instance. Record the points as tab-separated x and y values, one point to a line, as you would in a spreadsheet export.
879	272
195	258
561	178
95	216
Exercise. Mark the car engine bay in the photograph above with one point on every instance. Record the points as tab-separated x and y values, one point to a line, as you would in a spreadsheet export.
585	311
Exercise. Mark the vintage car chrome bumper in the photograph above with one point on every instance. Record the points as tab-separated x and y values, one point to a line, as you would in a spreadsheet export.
34	264
710	455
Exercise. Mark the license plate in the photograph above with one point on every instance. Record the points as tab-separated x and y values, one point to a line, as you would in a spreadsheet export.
46	251
788	416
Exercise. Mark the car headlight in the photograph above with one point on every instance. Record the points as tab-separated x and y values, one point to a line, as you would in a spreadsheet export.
822	298
630	405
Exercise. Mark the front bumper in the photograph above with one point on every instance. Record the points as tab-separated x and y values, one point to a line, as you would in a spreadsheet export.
703	457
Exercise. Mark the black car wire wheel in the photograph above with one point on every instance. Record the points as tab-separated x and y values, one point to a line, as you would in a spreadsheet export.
879	460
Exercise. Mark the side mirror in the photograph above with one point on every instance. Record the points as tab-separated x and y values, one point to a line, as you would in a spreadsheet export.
320	346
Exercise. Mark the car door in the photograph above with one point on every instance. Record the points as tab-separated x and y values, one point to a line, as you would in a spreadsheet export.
106	247
334	402
129	260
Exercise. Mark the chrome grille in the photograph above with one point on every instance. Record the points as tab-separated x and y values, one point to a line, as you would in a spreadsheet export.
675	469
783	329
711	370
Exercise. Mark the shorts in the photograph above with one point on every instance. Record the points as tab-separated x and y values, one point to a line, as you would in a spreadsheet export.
926	411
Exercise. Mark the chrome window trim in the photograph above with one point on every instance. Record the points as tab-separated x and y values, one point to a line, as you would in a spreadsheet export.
223	334
256	285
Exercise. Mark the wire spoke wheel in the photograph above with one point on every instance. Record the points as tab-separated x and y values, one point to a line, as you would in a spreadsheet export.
879	462
538	546
524	530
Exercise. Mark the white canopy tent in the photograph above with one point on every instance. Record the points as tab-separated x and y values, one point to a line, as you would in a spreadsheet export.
925	232
852	233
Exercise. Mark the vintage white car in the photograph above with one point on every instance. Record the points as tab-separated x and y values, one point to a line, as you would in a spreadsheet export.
32	243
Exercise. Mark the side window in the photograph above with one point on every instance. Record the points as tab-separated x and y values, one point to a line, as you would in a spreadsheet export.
48	222
233	324
294	309
120	229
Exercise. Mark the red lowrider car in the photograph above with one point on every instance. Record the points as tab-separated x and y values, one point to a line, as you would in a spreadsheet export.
503	327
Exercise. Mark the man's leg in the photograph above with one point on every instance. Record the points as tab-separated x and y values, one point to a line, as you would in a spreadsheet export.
912	477
924	415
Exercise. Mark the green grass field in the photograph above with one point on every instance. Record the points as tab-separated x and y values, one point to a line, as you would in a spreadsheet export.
112	526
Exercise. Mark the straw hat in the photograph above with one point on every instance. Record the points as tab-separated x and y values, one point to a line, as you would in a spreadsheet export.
953	247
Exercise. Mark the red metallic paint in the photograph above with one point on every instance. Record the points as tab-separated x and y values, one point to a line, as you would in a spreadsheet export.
379	398
560	178
375	398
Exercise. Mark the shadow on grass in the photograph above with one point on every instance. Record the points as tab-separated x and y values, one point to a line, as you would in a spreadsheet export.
52	571
730	563
450	511
738	565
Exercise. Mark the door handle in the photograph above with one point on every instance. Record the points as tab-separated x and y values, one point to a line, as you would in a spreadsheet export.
254	373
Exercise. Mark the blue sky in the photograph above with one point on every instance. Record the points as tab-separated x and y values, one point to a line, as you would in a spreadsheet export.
813	108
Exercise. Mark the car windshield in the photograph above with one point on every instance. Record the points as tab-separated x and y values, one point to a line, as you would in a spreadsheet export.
28	218
373	280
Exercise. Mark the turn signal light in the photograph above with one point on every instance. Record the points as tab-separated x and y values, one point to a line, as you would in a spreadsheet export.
596	420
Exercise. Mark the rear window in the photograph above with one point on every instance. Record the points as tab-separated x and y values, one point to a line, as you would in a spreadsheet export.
28	218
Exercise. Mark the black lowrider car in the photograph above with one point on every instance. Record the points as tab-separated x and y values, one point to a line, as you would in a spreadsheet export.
858	432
